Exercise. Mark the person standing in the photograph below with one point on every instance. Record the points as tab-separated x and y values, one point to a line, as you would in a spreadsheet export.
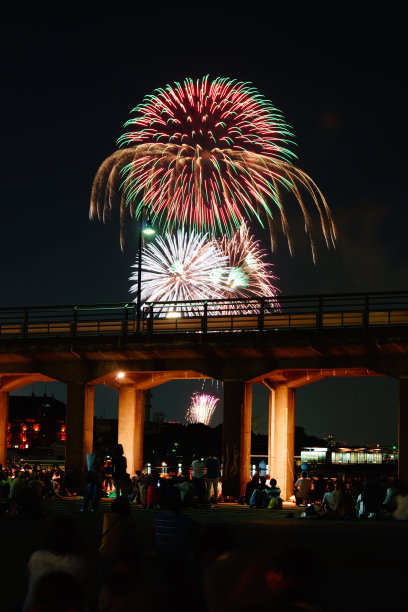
108	476
120	475
18	494
154	495
143	487
197	476
93	478
212	475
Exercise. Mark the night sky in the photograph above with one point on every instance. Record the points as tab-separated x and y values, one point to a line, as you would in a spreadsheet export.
338	75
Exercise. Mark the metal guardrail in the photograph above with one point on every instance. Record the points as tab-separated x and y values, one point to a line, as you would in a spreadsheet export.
263	314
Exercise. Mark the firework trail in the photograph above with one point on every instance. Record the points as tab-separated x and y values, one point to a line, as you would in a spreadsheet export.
201	408
182	267
208	154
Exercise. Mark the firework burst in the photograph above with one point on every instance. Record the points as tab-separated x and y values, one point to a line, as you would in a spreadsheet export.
196	267
201	408
249	274
182	267
208	154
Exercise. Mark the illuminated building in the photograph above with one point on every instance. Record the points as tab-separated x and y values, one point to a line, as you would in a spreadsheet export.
349	456
35	423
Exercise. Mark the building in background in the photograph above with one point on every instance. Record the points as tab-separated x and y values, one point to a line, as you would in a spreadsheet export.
352	456
36	426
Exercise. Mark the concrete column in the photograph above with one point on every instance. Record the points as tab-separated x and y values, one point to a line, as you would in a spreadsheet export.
80	418
403	430
130	426
4	409
282	438
236	437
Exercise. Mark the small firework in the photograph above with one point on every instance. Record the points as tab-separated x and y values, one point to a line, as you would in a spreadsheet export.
209	154
201	408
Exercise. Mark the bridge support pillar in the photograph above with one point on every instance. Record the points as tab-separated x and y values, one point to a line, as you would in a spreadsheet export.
236	437
281	449
403	430
80	417
130	426
4	409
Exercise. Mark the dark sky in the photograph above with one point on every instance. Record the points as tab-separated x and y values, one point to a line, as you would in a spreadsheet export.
338	75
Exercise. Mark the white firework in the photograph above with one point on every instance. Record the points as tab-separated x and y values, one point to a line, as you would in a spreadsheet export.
181	267
201	408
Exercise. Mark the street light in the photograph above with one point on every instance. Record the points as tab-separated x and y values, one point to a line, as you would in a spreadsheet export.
146	229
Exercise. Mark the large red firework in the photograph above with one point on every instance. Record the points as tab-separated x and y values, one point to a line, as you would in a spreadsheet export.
209	155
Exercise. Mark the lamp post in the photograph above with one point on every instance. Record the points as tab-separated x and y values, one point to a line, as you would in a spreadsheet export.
145	229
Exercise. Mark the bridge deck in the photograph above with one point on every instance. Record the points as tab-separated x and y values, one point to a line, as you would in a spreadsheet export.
298	312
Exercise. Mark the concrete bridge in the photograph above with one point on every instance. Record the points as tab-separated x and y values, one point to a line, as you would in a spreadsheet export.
283	346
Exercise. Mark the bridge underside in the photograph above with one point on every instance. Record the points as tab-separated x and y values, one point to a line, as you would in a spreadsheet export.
282	362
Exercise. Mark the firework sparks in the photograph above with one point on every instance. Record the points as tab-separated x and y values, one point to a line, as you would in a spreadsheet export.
182	267
208	154
196	267
249	275
201	408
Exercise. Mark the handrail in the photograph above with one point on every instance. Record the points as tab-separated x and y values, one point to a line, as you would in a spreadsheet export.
206	316
118	305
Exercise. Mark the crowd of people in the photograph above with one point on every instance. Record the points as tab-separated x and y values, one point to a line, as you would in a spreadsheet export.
23	488
368	497
181	565
198	485
262	492
201	567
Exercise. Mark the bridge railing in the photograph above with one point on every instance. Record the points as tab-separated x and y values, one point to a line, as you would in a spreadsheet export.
285	312
99	319
252	314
